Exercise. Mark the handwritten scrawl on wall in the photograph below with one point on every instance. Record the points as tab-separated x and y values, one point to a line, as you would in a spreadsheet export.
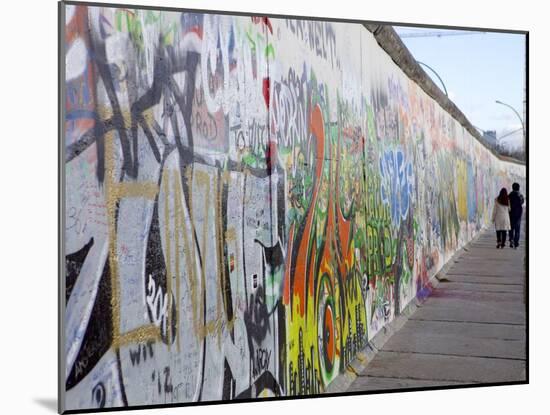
247	202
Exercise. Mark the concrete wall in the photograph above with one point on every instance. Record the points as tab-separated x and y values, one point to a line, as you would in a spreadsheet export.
248	202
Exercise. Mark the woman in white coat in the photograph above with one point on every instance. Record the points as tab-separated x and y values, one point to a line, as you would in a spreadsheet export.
501	217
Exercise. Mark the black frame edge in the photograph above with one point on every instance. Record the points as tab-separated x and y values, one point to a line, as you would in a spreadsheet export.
61	200
526	149
60	207
287	398
287	16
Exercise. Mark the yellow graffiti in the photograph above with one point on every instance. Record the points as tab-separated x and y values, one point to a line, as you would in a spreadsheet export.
114	191
462	181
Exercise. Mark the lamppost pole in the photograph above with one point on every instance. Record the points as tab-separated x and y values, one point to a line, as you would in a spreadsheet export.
436	74
520	120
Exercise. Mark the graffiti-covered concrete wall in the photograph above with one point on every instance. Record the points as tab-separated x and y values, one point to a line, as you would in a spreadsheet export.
248	201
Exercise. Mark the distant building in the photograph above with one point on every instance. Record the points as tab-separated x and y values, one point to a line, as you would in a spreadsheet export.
490	137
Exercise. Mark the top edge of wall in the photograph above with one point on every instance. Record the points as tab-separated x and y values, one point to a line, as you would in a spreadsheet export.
392	44
389	41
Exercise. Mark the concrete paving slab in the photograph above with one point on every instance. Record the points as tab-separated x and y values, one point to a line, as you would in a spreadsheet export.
473	315
477	287
444	368
371	383
493	256
497	267
485	259
496	270
474	273
456	344
472	330
476	279
469	296
453	299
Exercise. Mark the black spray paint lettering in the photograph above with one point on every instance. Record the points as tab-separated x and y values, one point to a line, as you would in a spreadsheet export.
253	137
99	395
261	361
144	351
163	380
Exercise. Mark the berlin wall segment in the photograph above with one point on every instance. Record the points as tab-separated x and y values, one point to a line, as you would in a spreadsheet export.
248	202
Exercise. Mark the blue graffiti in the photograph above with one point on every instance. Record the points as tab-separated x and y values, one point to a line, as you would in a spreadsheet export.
397	183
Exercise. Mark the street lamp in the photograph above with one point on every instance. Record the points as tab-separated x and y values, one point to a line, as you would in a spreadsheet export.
520	120
438	77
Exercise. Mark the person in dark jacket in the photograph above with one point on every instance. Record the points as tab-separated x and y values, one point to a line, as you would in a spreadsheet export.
516	210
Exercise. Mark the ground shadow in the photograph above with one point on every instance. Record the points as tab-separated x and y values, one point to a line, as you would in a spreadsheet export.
48	403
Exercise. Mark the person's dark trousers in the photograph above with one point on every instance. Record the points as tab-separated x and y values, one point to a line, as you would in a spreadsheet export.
501	238
514	231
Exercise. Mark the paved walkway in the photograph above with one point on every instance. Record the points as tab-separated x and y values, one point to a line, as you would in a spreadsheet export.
470	330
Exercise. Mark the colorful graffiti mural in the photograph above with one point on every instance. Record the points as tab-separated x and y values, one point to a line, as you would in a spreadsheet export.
248	201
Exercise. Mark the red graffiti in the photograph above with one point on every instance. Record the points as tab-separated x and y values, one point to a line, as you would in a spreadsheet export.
263	20
302	272
271	154
265	90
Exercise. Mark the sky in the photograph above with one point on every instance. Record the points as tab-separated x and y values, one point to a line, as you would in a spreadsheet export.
477	70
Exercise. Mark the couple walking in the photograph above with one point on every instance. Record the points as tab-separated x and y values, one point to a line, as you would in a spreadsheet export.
507	216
